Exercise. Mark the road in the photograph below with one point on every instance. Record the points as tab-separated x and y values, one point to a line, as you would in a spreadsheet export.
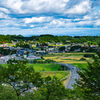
74	75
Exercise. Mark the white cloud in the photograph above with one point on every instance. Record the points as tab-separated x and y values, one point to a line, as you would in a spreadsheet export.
14	5
4	10
69	24
58	23
32	26
81	23
35	6
37	19
77	19
87	17
2	15
81	8
97	22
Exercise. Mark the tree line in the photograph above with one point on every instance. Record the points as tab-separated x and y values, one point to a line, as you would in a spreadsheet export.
51	39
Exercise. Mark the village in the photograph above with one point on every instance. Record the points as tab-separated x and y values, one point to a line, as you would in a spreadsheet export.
37	50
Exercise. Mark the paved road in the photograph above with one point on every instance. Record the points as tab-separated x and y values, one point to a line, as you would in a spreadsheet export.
74	75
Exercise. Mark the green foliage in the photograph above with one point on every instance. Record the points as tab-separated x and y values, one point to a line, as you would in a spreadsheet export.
19	76
51	39
81	66
4	38
99	44
7	93
62	48
21	44
89	83
46	67
43	61
74	48
88	55
42	57
4	51
51	90
82	59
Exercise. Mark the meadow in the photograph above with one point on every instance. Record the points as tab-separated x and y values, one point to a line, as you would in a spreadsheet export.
49	69
81	66
58	74
45	67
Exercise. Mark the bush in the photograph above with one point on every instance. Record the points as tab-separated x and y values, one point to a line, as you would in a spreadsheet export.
41	61
74	48
42	57
88	55
82	59
49	61
91	50
59	69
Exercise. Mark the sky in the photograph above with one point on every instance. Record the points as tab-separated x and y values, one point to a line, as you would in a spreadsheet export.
56	17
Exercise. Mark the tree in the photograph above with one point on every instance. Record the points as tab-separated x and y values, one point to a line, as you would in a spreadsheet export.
62	48
18	75
99	44
89	83
51	90
7	93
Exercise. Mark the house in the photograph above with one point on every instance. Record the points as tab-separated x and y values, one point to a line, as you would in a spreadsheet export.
77	50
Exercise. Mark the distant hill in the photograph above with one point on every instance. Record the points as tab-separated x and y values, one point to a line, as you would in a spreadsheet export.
51	38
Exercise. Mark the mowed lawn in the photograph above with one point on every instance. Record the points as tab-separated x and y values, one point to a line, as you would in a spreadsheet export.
45	67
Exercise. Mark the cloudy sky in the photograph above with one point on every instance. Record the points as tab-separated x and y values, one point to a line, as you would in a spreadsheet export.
57	17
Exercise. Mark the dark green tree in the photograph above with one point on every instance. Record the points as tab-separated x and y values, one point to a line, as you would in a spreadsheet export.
89	83
20	76
51	90
99	44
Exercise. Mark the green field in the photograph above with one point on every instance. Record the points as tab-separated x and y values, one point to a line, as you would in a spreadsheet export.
49	69
42	67
81	66
45	67
58	74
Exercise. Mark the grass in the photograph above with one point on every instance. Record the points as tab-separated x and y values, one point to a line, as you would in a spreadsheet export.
58	74
42	67
45	67
80	66
51	70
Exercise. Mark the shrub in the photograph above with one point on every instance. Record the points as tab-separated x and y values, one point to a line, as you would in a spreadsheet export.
82	59
88	55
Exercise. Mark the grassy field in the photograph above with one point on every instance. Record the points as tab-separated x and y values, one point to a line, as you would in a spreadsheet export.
58	74
42	67
45	67
49	70
68	57
80	66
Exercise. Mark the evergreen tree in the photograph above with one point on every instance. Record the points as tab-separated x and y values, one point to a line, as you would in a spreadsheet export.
89	84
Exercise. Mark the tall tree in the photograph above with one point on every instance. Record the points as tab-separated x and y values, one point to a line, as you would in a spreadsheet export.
51	90
20	76
89	83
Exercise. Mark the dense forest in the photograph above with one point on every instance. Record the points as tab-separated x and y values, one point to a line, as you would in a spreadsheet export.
51	39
